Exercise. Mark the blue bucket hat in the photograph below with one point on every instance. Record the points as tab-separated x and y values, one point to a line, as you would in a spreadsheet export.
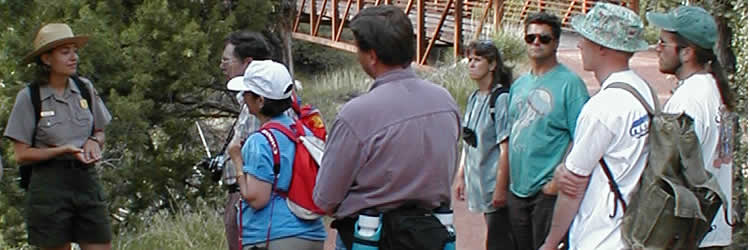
612	26
693	23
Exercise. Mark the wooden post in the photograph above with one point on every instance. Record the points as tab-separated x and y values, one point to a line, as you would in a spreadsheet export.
420	29
408	7
435	34
360	4
481	21
635	6
458	30
299	14
497	8
320	17
343	20
312	17
334	18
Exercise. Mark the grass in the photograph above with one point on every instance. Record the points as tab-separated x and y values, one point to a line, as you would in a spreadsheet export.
202	228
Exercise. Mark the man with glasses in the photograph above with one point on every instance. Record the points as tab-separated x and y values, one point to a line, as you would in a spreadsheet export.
685	50
240	49
544	106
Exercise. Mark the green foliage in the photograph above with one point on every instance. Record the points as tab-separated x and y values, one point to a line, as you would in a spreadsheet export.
155	65
738	22
651	34
510	42
456	80
314	58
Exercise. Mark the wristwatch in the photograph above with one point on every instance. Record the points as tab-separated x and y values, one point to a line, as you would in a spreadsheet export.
95	139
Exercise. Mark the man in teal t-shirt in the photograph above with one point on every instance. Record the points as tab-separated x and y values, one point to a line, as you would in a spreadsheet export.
544	105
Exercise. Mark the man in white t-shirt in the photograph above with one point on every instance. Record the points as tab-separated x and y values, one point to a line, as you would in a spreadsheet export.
685	46
613	126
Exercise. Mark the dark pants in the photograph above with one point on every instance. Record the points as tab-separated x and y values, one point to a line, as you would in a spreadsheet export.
499	233
65	203
530	219
230	221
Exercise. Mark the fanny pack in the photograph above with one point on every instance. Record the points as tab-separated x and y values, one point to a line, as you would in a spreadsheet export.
404	228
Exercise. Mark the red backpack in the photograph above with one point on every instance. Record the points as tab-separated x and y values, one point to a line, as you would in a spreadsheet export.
299	197
310	117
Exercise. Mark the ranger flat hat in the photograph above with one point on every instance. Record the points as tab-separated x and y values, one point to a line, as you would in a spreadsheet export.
52	35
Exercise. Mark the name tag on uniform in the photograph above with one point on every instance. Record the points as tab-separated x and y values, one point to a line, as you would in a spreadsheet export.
47	113
84	104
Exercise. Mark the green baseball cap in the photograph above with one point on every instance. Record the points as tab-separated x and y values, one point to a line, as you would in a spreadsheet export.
693	23
612	26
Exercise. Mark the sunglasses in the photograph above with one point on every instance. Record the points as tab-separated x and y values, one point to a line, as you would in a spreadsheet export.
544	39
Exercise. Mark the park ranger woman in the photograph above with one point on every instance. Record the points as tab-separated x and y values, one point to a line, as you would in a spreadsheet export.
57	128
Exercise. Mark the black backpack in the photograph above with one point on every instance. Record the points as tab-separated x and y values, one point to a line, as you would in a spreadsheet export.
25	170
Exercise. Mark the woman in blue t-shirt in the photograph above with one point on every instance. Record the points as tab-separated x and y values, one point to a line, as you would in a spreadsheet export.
265	218
478	180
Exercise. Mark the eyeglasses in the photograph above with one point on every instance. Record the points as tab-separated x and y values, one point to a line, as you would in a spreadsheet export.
228	60
544	39
662	43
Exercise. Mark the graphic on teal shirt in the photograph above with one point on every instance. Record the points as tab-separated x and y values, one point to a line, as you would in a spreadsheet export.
537	105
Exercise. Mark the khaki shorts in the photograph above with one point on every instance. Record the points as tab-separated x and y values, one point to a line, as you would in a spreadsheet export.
65	203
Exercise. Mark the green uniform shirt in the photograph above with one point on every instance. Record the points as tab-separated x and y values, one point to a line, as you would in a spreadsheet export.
542	118
64	119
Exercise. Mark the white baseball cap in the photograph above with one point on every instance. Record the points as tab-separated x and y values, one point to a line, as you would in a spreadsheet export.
265	78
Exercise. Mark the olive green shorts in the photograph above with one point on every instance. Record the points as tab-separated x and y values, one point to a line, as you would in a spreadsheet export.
65	203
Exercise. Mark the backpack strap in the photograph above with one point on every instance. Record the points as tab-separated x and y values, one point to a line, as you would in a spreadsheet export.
496	92
637	95
651	112
274	150
86	94
266	132
37	103
613	188
298	129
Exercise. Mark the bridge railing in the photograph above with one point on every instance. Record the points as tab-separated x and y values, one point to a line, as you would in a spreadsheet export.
436	22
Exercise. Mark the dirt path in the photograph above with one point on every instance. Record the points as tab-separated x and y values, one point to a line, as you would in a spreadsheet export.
470	226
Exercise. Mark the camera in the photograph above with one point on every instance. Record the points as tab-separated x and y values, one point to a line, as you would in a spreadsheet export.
469	136
221	169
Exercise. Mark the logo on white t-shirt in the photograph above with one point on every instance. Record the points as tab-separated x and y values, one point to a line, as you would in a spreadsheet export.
639	128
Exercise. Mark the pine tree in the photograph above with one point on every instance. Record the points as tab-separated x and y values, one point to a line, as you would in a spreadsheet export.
155	64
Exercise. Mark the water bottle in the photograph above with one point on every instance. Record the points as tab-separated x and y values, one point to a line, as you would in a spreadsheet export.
445	215
367	231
